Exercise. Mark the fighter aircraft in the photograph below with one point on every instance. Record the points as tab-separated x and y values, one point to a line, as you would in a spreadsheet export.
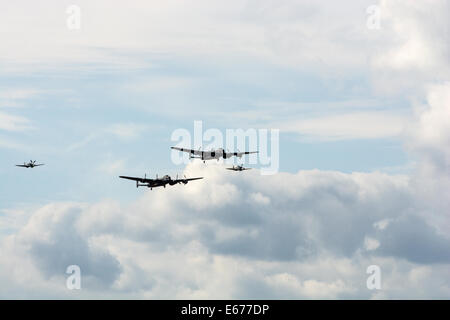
158	182
238	168
213	154
30	164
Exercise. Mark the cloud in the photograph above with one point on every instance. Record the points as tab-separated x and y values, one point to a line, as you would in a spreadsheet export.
326	120
165	244
431	132
413	47
13	123
54	244
13	97
418	36
318	38
6	142
161	84
321	43
430	143
357	125
127	131
122	131
430	247
112	167
371	244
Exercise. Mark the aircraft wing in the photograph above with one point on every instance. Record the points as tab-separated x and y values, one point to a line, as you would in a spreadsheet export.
186	180
191	179
22	165
37	165
239	154
191	151
142	180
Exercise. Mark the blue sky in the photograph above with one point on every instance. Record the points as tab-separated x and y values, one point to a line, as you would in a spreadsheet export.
69	111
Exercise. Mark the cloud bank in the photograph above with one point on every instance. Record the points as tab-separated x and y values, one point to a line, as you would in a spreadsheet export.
301	235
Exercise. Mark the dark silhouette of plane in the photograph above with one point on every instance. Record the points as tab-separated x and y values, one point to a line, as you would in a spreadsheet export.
30	164
158	182
213	154
238	168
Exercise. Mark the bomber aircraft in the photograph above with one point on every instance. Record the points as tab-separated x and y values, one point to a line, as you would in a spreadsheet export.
158	182
213	154
238	168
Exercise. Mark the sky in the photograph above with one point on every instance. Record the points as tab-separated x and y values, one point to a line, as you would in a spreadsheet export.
360	94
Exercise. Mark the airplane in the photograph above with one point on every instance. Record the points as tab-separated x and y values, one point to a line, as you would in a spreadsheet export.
162	182
30	164
213	154
238	168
